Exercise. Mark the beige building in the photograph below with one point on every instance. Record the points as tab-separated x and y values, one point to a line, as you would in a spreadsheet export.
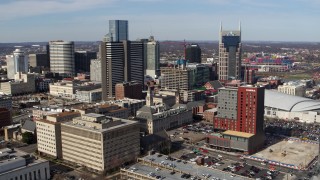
23	83
99	142
68	89
49	133
105	109
292	88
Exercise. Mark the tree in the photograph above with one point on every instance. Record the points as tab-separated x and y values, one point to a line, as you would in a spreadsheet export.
27	137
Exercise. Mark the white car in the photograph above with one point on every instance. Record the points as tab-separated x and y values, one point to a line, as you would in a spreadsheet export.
263	163
219	156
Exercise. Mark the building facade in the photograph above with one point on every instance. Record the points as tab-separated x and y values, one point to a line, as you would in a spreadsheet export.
176	78
118	30
152	57
132	90
62	59
120	61
89	96
16	63
24	83
17	165
5	102
99	142
39	60
95	70
230	50
193	53
83	60
49	133
292	88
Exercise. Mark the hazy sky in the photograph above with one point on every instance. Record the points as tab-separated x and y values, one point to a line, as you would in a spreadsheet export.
87	20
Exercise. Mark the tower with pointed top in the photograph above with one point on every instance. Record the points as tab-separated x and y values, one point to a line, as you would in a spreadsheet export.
230	51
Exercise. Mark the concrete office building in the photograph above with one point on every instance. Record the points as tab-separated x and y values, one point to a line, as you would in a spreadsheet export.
120	61
82	60
49	133
5	101
176	78
39	60
99	142
230	50
89	96
19	165
152	60
249	76
112	110
133	105
118	30
131	90
95	70
193	53
62	59
16	63
68	89
24	83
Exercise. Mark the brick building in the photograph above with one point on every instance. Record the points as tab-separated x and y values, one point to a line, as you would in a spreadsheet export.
131	90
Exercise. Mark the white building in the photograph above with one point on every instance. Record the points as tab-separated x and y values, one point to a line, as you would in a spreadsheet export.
95	70
62	57
24	83
16	165
68	89
89	96
18	62
293	88
288	107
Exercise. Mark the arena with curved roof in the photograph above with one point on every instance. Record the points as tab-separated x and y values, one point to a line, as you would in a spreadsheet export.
284	106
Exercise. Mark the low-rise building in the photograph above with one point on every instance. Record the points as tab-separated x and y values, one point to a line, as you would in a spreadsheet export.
17	165
209	114
293	88
67	89
23	83
5	118
133	105
89	96
105	109
49	133
99	142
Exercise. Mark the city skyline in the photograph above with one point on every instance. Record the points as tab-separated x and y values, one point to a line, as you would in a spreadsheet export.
81	20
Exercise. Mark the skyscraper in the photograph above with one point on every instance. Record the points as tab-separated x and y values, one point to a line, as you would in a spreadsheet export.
120	61
193	53
118	30
230	54
83	59
152	57
62	57
17	62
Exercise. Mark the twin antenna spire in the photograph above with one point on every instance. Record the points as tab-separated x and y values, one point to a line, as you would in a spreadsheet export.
221	26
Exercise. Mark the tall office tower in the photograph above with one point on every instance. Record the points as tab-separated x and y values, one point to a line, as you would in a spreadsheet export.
82	60
120	61
152	60
250	109
17	62
230	54
95	70
112	66
193	53
118	30
240	109
134	61
39	60
62	57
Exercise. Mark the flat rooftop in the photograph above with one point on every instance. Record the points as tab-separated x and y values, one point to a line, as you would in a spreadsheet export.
298	153
189	168
238	134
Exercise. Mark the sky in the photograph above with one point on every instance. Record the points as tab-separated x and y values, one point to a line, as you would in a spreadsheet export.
192	20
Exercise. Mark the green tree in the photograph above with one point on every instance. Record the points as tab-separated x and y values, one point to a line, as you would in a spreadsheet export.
27	137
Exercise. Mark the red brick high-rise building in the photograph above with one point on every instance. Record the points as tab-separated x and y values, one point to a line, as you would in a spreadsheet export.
250	109
240	109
